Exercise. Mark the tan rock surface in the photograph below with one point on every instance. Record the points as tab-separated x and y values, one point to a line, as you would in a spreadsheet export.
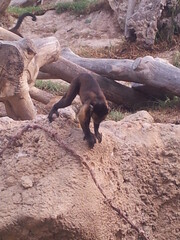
48	192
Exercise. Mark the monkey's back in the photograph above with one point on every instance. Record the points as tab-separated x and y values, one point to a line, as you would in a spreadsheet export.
89	88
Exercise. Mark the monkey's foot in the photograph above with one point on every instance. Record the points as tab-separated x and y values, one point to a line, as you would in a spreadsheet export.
99	137
91	140
50	116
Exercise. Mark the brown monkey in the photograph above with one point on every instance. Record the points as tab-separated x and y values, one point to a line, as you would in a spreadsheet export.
19	22
94	105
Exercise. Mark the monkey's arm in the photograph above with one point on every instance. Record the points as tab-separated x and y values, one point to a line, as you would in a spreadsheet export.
66	100
55	108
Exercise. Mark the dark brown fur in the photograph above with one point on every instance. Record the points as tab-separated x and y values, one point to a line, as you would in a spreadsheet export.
94	105
19	22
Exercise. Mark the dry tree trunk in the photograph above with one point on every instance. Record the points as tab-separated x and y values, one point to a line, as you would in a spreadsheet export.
113	91
149	71
154	74
20	63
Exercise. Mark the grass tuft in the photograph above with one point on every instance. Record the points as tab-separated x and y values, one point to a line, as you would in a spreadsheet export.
55	88
19	11
37	10
79	6
115	115
168	103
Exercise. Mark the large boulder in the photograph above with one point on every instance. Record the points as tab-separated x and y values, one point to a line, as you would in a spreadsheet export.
120	9
146	19
53	187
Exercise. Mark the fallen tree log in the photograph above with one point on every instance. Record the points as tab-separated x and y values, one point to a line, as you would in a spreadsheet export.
67	71
40	95
19	67
113	91
150	71
152	92
8	36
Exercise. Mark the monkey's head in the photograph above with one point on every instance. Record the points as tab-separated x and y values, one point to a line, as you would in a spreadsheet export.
99	112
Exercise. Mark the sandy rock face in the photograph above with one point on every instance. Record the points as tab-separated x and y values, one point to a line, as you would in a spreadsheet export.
120	9
72	30
53	187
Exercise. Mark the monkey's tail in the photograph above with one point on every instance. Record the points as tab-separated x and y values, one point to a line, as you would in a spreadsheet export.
21	18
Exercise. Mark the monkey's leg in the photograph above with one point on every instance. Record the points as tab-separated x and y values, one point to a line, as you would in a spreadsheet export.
84	119
97	133
66	100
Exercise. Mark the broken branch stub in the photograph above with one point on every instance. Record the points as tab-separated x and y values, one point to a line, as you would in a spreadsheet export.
19	66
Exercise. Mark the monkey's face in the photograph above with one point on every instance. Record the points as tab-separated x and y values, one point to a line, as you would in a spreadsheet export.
99	112
98	119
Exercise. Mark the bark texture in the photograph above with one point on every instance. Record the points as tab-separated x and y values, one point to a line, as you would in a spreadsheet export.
20	63
3	5
115	92
150	71
8	36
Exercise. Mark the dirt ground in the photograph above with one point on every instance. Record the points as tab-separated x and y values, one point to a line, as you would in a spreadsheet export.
53	187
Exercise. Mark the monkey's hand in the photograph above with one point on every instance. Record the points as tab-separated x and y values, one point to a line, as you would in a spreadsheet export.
99	137
90	139
50	116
